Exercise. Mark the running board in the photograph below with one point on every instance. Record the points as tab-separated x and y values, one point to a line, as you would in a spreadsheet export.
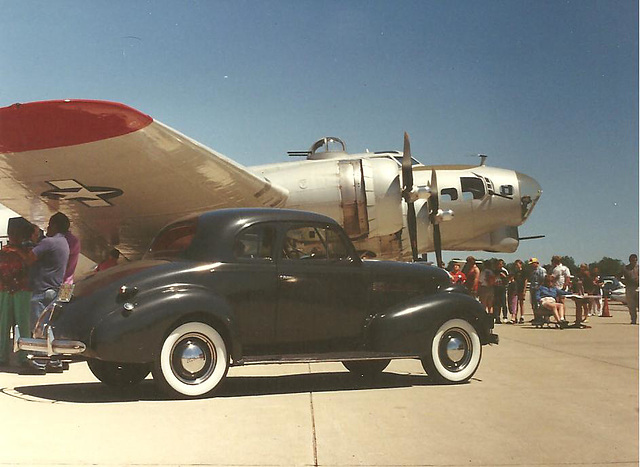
322	358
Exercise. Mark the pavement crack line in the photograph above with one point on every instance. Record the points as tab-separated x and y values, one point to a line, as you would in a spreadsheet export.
313	426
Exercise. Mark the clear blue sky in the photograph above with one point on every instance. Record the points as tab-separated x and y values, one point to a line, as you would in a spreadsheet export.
548	88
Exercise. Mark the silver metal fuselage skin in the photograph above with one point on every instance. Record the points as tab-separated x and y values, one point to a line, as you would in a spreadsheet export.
363	193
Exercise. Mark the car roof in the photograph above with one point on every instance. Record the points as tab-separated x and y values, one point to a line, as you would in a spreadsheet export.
223	225
254	215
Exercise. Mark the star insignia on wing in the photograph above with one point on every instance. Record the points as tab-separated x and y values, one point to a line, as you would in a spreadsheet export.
90	196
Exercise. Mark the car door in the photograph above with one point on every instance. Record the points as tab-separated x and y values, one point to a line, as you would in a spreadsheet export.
251	286
322	290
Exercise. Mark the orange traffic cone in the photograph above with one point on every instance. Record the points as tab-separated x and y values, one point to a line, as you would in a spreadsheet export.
605	308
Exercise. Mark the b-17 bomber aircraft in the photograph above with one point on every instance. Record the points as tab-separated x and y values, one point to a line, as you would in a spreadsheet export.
120	175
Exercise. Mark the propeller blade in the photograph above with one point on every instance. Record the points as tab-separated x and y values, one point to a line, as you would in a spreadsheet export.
434	198
413	230
407	187
437	244
434	206
407	170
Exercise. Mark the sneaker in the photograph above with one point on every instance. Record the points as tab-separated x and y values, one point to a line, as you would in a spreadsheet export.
521	320
498	321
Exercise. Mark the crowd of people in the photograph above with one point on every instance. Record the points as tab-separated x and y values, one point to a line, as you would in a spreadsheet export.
503	291
33	266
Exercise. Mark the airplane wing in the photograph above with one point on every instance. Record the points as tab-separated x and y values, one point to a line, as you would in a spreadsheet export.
117	173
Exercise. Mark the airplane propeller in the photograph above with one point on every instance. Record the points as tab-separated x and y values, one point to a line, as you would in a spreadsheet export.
410	195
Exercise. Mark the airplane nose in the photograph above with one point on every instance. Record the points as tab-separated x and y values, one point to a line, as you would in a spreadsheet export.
530	192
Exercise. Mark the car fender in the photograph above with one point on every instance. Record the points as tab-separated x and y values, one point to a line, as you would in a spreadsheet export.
408	328
136	335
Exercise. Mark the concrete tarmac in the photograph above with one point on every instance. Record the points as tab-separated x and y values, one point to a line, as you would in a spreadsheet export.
543	397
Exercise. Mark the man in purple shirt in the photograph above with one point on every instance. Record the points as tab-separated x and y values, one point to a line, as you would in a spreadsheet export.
49	260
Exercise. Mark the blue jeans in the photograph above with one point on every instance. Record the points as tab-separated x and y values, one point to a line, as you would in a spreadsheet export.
534	303
39	302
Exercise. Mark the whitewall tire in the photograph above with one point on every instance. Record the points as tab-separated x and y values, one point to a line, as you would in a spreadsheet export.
454	352
193	360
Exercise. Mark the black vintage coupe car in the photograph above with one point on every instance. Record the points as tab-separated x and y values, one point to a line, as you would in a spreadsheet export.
241	286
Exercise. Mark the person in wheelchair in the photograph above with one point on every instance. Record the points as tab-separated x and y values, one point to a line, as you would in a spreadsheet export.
547	296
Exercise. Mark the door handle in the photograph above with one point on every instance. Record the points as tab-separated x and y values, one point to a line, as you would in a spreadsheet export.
287	278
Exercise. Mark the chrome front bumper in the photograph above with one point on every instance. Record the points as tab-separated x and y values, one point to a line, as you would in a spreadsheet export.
49	345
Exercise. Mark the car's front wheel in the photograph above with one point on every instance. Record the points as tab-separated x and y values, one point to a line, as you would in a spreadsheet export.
366	368
192	361
118	374
454	352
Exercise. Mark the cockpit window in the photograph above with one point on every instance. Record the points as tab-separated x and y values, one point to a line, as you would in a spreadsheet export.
472	187
173	241
398	159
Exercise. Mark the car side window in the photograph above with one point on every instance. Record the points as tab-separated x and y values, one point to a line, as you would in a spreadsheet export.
314	243
255	242
337	249
173	241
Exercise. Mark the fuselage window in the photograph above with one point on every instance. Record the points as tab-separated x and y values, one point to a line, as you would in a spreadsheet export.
506	190
472	188
449	194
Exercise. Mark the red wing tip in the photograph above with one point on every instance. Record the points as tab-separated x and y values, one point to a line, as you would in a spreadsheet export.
58	123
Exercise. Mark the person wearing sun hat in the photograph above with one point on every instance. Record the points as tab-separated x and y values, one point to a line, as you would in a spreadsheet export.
536	279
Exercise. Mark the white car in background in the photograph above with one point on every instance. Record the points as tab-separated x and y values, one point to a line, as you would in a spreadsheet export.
619	294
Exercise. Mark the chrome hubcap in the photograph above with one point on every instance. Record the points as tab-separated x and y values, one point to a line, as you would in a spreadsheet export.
193	358
455	349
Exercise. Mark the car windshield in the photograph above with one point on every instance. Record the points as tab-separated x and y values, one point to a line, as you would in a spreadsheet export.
173	241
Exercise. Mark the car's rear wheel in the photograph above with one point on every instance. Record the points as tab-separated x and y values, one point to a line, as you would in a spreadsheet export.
192	361
366	368
454	353
118	374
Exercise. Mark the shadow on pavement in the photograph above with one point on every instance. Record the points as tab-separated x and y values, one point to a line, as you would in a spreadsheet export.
238	386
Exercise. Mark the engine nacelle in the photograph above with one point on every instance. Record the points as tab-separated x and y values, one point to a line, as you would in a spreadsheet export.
362	194
502	240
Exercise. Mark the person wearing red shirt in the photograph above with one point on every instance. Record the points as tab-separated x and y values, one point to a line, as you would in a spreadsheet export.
457	276
15	293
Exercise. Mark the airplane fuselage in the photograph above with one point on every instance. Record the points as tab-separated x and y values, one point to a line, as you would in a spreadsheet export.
363	193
